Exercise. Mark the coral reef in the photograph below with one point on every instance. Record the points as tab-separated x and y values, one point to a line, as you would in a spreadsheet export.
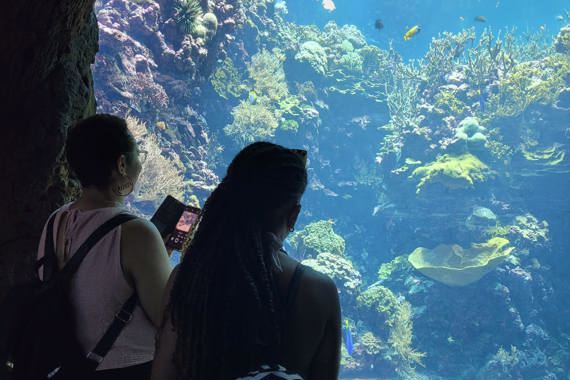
160	176
456	266
452	171
313	54
471	133
251	122
562	42
341	270
317	237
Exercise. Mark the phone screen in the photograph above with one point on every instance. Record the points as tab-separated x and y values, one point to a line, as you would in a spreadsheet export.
184	227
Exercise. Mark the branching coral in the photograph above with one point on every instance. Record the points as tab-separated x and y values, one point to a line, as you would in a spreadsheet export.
266	71
452	171
562	42
396	314
227	80
400	342
251	122
160	176
317	237
370	345
530	82
443	54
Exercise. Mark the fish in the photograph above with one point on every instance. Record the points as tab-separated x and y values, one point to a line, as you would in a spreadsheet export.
328	5
379	24
560	18
480	19
542	27
252	97
376	210
161	125
412	32
348	338
461	18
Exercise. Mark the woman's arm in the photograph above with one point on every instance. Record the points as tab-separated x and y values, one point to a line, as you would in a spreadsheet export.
146	264
162	366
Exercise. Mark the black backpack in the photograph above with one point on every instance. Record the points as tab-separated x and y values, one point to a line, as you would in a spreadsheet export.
37	339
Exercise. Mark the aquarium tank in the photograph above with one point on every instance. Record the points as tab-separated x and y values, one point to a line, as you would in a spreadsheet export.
437	134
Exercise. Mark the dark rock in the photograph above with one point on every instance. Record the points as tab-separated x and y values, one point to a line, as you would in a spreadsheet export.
46	86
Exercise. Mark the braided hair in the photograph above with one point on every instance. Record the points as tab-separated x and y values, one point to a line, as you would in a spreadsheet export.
224	303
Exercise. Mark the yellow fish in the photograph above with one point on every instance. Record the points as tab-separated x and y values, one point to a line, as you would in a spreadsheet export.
412	32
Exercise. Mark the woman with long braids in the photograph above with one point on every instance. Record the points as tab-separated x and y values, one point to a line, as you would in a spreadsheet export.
237	301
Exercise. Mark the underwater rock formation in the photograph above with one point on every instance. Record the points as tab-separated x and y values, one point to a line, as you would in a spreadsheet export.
455	266
47	50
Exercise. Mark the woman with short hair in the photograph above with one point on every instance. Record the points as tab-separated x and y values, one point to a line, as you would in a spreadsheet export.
131	259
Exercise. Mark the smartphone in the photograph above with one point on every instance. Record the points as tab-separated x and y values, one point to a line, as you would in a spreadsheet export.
176	219
184	227
167	215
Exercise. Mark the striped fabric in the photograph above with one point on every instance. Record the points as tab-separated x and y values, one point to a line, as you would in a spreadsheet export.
266	372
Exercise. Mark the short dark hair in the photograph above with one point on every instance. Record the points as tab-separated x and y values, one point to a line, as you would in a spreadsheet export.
93	146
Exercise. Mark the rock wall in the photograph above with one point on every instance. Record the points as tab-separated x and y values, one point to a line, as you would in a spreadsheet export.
46	86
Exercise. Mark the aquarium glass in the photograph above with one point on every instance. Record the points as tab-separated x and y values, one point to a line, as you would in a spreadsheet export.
437	134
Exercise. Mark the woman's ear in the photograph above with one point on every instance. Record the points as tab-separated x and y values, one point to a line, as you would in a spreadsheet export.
122	165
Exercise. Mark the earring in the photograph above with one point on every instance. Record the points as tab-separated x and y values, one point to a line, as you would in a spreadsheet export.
125	188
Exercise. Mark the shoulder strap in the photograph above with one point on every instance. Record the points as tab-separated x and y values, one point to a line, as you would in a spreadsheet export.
294	285
122	318
73	264
48	260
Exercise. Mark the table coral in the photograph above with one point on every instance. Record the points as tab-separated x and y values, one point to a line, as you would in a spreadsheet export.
455	266
452	171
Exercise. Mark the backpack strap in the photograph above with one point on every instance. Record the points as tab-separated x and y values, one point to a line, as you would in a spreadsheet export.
122	318
73	264
49	259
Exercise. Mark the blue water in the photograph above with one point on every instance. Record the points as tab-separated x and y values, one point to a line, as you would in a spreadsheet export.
434	16
511	319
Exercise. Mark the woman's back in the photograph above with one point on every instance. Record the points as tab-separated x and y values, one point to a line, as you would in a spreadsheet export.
99	287
311	339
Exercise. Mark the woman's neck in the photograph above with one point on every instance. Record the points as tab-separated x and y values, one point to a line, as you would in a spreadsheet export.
92	198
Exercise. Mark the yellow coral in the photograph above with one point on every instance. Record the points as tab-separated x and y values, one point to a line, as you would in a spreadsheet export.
452	171
455	266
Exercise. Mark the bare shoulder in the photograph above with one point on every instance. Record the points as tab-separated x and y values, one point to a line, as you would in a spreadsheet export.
140	228
318	289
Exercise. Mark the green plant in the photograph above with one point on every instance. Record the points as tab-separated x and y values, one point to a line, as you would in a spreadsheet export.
251	122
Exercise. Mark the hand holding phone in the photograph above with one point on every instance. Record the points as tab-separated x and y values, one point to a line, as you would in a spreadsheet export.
175	221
